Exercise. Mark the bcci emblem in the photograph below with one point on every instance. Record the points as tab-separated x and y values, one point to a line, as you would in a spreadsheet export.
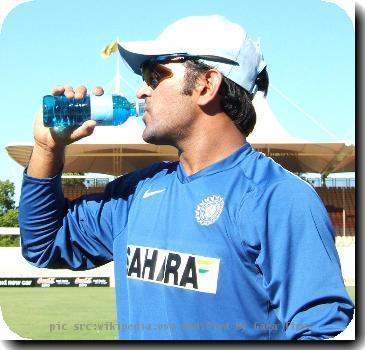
209	210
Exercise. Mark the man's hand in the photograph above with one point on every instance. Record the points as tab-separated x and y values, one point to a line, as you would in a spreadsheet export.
49	144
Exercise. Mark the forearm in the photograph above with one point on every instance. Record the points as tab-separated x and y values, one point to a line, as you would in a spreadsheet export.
45	162
41	212
58	233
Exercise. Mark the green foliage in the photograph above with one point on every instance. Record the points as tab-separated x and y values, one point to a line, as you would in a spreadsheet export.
8	211
9	241
9	219
7	190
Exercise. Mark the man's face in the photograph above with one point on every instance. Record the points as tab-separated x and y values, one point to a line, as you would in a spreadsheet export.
169	114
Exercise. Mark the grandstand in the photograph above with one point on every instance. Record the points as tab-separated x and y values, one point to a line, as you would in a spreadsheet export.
340	204
75	186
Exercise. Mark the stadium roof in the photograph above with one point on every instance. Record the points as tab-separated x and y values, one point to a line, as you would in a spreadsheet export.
119	150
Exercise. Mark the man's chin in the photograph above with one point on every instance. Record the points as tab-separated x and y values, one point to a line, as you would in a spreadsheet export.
149	137
154	139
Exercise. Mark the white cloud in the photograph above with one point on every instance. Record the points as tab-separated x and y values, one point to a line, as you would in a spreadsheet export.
6	6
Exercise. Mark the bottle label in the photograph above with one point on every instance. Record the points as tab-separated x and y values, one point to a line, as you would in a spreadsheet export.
101	108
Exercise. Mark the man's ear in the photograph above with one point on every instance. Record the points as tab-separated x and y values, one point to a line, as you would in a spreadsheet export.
208	86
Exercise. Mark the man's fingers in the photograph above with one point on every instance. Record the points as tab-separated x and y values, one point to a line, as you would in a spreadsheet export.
58	90
80	92
98	91
69	91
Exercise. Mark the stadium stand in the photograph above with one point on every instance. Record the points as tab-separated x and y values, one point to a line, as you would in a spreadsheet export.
72	190
340	204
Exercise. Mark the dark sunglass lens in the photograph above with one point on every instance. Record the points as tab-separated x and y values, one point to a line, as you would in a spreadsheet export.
145	73
153	73
148	74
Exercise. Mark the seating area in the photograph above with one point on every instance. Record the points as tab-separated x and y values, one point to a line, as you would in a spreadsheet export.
336	199
74	191
76	186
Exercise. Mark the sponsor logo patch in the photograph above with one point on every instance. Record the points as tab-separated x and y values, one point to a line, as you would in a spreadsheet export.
174	269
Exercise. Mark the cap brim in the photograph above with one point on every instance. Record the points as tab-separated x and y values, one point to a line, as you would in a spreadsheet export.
135	53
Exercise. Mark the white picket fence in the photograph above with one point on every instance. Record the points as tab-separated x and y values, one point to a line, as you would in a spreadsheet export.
12	231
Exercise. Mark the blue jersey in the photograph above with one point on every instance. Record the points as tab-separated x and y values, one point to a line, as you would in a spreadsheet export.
242	249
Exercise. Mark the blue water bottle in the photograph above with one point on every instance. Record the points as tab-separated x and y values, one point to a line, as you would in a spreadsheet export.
61	112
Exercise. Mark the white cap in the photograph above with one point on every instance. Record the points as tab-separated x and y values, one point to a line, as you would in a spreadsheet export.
202	35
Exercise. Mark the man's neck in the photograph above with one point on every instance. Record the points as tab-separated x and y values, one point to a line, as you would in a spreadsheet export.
208	144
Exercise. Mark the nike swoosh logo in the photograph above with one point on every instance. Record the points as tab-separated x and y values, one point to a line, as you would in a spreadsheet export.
149	193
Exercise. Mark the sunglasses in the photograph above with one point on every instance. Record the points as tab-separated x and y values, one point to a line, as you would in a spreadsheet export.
153	71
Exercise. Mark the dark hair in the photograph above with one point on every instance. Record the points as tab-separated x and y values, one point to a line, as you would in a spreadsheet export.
262	81
235	100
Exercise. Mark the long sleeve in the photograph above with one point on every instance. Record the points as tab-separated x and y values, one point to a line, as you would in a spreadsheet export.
298	260
78	234
59	233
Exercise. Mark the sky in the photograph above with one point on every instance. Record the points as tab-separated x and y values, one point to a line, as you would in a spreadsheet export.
308	45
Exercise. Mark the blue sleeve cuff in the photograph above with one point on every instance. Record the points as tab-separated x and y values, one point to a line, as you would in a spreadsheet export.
46	180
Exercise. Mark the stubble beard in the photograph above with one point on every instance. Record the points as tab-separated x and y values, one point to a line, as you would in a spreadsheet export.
163	134
173	129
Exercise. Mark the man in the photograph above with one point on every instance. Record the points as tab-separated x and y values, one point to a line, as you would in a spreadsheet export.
225	243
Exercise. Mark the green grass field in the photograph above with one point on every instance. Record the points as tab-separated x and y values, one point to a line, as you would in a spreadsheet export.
64	313
60	313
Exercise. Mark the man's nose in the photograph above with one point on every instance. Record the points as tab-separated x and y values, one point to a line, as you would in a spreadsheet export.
143	91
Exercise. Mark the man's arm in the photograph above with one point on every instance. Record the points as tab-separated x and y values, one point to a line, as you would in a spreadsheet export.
56	232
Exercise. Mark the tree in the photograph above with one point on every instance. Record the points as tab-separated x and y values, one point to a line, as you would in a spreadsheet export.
8	211
7	190
10	218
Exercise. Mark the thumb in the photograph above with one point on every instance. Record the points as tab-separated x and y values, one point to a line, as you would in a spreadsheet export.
86	129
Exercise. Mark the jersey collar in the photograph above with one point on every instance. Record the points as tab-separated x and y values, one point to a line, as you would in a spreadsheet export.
222	165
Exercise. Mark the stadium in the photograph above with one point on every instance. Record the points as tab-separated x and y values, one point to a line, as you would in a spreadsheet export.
36	304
